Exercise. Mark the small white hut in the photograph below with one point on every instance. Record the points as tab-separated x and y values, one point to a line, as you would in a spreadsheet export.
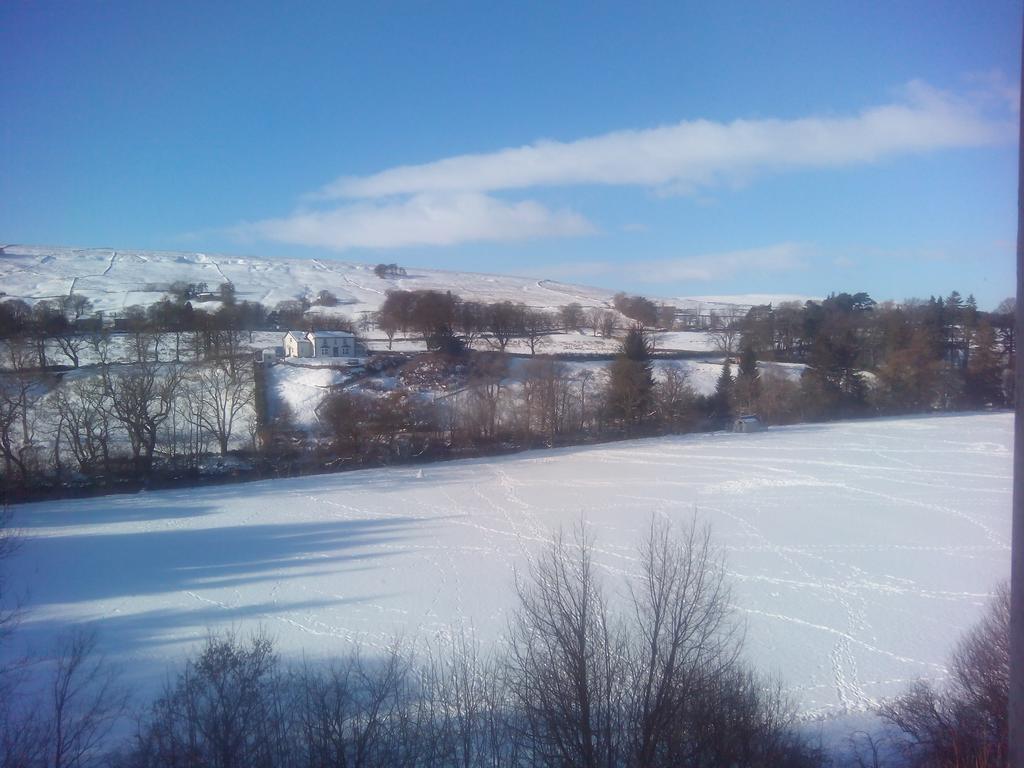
748	423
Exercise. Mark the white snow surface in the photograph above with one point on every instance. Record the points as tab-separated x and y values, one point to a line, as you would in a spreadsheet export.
747	299
115	278
858	551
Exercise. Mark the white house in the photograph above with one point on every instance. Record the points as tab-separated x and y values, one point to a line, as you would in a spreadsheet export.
320	344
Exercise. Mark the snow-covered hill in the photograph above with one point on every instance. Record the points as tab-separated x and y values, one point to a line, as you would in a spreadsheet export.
114	279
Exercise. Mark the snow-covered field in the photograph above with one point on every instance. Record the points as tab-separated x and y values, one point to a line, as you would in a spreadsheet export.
117	278
858	551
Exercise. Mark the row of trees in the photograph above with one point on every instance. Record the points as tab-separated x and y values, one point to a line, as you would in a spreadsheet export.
939	353
115	420
70	325
436	316
487	399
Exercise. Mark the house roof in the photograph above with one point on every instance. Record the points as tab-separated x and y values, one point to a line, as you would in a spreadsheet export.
330	334
310	335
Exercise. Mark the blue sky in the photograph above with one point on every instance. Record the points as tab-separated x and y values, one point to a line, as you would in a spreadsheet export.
663	148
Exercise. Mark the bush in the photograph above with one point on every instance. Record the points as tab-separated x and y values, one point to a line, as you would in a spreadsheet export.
662	686
965	723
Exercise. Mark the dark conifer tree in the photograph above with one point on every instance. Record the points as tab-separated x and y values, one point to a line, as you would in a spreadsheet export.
724	393
631	380
748	380
983	384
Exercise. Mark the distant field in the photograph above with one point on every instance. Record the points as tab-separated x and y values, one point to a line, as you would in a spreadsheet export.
858	551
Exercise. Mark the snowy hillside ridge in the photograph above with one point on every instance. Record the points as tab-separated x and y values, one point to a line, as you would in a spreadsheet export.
116	278
854	549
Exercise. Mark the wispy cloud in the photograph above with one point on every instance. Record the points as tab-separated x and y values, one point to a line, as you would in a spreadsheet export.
696	153
423	219
451	200
781	257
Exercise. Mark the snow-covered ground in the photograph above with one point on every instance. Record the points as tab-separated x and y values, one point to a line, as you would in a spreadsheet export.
117	278
302	389
859	551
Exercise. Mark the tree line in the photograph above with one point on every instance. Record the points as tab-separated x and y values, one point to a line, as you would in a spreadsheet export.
109	422
67	326
169	393
942	353
448	323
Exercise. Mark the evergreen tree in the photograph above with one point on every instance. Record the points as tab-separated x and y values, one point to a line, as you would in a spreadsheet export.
909	378
722	401
631	380
833	384
748	380
954	306
971	311
983	383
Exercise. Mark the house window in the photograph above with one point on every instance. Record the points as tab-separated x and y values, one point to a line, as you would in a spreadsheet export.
325	350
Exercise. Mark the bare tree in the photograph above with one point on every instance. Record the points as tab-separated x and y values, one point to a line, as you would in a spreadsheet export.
537	325
484	393
76	306
726	339
71	344
584	378
967	723
65	724
662	685
219	712
226	389
778	401
505	322
20	390
86	701
674	397
549	396
363	712
84	417
608	323
572	316
565	659
389	325
471	724
141	398
684	639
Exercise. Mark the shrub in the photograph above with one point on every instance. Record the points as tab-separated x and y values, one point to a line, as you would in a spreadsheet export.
966	722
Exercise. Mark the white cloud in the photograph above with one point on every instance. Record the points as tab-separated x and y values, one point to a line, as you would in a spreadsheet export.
696	153
447	202
781	257
423	219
